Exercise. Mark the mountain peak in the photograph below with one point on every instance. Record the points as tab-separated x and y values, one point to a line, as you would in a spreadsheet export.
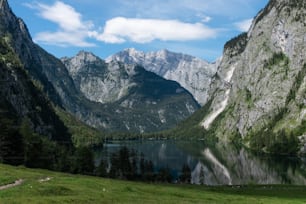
132	51
9	20
83	52
4	5
86	56
5	12
165	51
82	59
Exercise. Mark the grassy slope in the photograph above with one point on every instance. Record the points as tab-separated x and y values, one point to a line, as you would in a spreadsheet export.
81	133
65	188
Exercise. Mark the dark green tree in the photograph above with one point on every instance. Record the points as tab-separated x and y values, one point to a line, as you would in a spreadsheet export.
202	176
133	160
83	161
64	158
11	143
186	174
142	165
115	166
164	175
125	164
149	171
293	144
34	150
101	169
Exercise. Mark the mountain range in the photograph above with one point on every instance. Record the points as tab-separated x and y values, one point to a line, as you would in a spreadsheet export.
190	72
127	97
107	96
255	95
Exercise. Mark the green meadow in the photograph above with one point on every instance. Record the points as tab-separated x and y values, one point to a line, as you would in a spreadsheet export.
42	186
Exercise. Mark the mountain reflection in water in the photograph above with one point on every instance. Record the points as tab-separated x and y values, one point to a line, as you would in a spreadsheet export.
220	165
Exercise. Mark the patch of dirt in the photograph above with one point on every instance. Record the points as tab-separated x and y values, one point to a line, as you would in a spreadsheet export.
16	183
44	179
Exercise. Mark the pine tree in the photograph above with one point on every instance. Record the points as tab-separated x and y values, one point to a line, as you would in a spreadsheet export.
149	171
142	165
84	161
101	169
202	176
11	143
185	177
33	146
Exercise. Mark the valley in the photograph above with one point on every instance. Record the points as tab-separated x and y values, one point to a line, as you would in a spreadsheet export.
236	127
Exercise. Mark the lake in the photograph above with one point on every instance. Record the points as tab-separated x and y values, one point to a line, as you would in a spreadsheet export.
219	165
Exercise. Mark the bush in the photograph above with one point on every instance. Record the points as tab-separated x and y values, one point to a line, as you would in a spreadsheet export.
237	44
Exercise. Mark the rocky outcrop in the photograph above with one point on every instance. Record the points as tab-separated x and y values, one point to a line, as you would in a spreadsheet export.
98	81
261	80
192	73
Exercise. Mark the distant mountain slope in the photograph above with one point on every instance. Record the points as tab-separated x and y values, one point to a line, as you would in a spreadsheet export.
137	99
190	72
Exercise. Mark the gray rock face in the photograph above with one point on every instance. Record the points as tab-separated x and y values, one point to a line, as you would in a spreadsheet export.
263	72
190	72
142	101
41	65
98	81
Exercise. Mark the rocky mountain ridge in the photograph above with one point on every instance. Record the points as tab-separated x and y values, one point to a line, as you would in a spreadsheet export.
260	87
136	96
190	72
98	81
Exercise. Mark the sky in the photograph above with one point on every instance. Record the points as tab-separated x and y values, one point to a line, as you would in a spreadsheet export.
105	27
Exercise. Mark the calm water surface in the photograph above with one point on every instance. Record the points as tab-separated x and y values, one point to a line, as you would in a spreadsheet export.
213	165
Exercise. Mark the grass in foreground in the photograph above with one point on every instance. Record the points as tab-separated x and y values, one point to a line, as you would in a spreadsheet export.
66	188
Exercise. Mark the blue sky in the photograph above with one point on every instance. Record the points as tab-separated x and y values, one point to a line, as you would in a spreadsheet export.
104	27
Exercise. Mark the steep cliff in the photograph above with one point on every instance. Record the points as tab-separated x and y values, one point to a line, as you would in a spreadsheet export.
259	92
21	98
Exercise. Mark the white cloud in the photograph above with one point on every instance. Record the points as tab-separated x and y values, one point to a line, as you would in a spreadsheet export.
63	39
244	25
73	31
63	15
119	30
